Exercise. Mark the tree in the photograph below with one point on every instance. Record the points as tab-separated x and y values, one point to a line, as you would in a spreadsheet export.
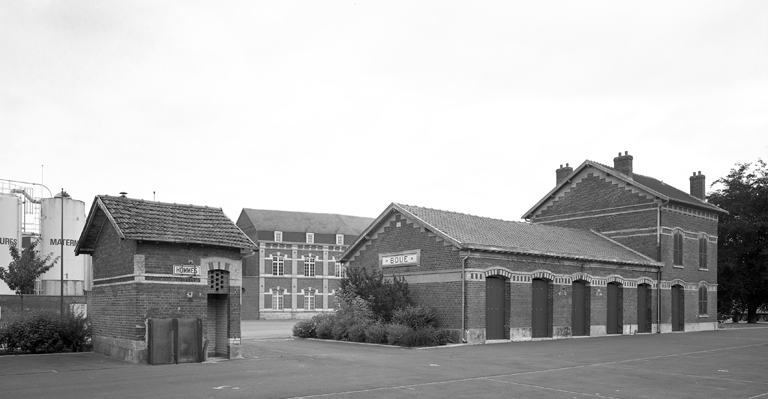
24	269
742	268
382	295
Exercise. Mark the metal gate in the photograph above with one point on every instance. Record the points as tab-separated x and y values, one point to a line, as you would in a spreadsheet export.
540	316
494	308
174	341
678	308
615	322
579	308
644	306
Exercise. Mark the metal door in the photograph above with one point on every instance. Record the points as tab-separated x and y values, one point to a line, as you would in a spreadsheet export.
540	315
678	308
643	308
161	345
494	308
579	308
614	324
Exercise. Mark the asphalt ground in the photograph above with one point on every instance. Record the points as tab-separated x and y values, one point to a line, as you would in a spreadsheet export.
728	363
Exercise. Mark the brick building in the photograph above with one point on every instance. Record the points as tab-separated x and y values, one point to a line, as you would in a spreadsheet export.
674	227
154	260
295	271
605	252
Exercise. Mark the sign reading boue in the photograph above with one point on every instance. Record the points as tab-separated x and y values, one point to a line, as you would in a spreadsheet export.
404	258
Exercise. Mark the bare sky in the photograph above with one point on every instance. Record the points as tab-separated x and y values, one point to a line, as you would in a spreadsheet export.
345	107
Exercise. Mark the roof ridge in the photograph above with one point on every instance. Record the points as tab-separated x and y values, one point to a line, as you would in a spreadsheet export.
298	212
121	198
465	214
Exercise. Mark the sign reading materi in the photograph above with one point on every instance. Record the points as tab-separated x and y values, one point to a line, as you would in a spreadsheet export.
399	259
186	270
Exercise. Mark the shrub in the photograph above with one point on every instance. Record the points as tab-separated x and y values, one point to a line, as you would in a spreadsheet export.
304	329
426	336
395	333
324	329
416	317
356	333
45	333
382	295
376	333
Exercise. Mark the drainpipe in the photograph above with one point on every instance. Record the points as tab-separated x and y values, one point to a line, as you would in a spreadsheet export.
463	295
658	258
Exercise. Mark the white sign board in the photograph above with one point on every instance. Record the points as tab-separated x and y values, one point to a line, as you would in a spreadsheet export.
399	259
186	270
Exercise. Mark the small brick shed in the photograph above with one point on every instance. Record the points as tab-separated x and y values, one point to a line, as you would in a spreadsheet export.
135	245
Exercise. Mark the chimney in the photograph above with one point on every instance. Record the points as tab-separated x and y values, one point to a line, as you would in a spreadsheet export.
698	187
623	163
562	173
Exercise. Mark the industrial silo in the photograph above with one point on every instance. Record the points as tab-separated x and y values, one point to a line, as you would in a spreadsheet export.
10	232
63	212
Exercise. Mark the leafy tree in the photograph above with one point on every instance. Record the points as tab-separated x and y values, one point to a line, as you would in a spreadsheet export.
24	269
383	295
742	267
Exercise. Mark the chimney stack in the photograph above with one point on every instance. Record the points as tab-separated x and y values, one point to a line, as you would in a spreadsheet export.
623	163
698	187
562	173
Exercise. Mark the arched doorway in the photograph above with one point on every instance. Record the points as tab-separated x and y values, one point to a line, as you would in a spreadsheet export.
541	308
580	309
678	308
615	319
495	307
218	312
644	306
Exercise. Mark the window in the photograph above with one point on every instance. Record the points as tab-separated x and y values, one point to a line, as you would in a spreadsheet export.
309	300
341	271
309	266
277	300
339	239
277	265
702	301
678	250
310	238
703	252
278	236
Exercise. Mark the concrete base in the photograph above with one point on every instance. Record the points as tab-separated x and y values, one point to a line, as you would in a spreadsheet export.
476	336
561	332
520	334
122	349
596	331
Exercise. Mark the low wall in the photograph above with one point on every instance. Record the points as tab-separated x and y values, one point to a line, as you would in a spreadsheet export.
10	305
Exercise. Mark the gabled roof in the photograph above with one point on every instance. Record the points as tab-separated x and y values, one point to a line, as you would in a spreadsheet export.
495	235
135	219
303	222
654	187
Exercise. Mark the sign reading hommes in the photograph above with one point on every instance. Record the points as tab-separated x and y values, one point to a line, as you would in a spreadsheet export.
186	270
399	259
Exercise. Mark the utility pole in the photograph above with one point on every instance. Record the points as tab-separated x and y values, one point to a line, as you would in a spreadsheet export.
61	281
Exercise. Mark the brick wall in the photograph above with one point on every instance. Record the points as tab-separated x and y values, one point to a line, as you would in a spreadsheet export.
114	256
591	193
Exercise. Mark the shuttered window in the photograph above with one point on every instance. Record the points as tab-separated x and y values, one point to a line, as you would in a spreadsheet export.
678	250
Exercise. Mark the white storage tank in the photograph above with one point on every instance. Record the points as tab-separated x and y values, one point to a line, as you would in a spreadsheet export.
10	232
76	268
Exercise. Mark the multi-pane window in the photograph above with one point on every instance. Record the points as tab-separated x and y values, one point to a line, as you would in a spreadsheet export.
278	265
278	236
309	300
703	253
339	239
277	300
341	271
702	301
678	249
309	266
310	238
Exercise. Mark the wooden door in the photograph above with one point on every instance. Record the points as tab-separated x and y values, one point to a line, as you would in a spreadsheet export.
494	308
540	317
579	309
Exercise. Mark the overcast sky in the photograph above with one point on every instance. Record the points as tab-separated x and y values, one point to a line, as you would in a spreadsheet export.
345	107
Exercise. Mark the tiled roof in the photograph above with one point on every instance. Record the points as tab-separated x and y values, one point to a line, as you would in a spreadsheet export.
306	222
158	221
475	232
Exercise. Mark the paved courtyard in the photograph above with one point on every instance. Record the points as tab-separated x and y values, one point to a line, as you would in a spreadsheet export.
729	363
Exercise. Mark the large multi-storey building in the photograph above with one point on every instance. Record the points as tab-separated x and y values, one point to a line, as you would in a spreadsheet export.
295	271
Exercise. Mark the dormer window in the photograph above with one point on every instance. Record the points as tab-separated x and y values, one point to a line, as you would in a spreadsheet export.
339	239
278	236
310	238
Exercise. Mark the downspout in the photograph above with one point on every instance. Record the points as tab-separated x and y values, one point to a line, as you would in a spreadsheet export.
658	258
463	295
